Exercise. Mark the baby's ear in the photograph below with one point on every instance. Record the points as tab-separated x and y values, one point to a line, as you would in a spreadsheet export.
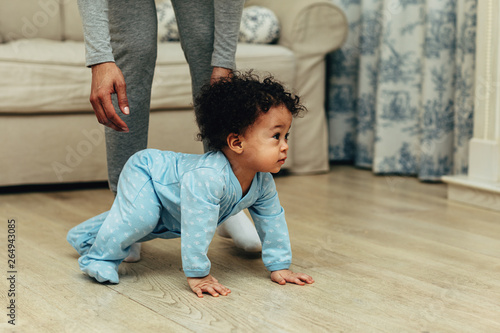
234	143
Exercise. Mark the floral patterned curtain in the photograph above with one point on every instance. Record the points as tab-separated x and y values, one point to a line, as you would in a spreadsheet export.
400	91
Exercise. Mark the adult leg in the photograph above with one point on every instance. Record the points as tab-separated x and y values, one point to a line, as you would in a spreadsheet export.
196	22
133	30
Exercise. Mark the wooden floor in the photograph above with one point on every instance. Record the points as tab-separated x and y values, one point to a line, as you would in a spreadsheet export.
388	254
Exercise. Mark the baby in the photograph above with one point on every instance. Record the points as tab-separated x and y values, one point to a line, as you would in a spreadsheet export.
163	194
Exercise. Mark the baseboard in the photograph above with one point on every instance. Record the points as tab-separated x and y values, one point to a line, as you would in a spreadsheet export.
473	192
484	159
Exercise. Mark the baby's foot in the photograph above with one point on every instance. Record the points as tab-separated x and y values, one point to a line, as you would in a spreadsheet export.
135	253
101	270
242	231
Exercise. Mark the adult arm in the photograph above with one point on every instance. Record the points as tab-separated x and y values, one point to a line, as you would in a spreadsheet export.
95	21
227	27
107	78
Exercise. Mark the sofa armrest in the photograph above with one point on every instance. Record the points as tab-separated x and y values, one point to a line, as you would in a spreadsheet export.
308	26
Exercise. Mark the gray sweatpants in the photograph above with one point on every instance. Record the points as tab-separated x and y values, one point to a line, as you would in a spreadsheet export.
133	31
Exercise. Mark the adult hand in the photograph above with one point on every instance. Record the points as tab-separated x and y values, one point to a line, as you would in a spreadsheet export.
207	284
283	276
219	73
107	79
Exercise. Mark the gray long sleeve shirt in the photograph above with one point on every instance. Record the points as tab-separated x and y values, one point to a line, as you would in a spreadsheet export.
94	15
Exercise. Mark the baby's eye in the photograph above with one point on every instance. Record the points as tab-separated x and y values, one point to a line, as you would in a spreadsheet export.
276	136
286	136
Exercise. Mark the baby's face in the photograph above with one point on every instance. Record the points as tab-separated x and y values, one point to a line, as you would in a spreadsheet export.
266	140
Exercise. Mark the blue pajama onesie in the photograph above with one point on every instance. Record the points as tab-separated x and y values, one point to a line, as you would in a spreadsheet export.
163	194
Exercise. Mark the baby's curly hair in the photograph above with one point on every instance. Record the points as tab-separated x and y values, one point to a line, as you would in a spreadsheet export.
231	105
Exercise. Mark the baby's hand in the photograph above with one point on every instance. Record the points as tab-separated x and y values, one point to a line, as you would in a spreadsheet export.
207	284
283	276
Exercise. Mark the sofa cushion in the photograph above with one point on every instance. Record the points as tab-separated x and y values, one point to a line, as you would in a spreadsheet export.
46	76
30	19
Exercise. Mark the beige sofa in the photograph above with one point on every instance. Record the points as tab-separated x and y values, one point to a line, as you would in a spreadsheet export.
49	133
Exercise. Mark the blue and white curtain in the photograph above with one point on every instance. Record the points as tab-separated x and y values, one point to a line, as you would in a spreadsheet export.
400	91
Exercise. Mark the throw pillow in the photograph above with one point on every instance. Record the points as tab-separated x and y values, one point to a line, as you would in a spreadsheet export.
259	25
167	24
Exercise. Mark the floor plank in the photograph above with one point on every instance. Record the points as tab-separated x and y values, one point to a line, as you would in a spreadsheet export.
389	254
